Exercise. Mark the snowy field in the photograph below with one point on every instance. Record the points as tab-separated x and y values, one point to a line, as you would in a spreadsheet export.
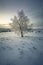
21	51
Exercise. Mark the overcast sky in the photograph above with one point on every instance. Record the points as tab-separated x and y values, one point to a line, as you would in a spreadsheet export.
33	9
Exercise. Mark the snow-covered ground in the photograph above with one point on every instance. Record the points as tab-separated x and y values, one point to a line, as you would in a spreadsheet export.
21	51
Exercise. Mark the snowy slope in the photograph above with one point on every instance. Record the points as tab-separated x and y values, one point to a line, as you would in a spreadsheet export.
21	51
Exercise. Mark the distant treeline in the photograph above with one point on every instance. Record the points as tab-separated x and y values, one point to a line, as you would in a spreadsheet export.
5	30
29	30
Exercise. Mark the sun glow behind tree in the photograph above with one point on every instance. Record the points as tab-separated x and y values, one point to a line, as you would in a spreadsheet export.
5	17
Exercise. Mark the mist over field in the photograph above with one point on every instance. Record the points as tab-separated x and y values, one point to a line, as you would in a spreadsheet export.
15	50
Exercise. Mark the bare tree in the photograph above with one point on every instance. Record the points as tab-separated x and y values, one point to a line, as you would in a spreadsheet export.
20	23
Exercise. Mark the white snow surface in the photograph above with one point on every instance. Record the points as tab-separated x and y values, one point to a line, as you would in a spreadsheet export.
21	51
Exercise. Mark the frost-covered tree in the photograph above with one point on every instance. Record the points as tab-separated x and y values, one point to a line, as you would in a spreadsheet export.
20	23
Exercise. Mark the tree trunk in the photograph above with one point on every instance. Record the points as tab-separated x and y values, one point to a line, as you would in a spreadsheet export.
21	33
